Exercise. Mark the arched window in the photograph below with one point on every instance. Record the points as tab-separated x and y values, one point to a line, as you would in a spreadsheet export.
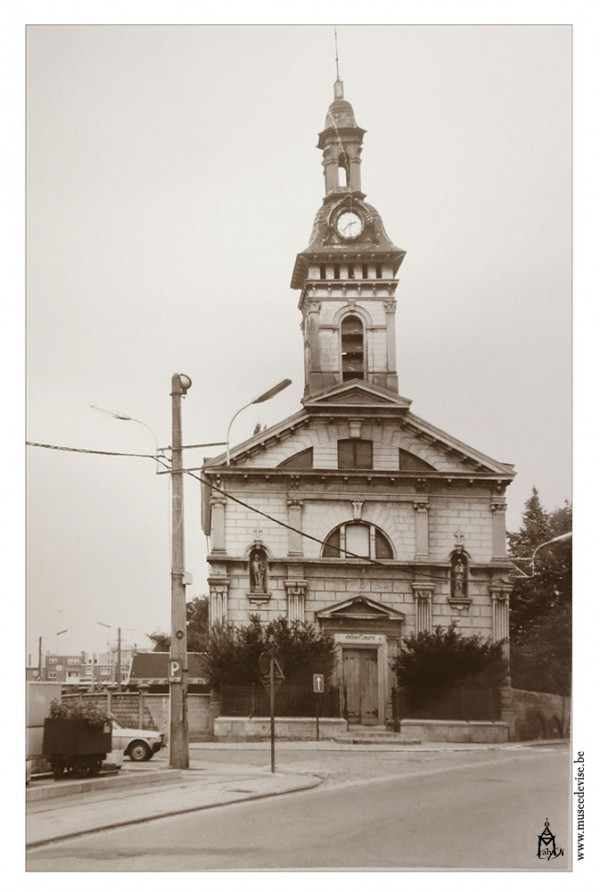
357	539
343	170
353	348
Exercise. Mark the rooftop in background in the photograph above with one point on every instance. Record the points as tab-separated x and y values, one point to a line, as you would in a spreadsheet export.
153	668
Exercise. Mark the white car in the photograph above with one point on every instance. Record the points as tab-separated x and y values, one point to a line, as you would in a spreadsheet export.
139	744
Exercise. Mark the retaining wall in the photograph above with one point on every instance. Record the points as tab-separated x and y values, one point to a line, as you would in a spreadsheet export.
541	716
240	729
430	730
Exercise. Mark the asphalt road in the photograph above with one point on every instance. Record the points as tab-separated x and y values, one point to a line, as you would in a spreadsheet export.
472	813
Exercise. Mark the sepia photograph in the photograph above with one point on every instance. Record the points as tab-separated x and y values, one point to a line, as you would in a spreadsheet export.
299	449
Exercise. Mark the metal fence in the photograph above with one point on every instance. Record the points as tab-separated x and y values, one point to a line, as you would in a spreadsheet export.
290	701
467	704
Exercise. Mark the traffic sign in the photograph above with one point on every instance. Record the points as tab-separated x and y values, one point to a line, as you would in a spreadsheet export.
264	660
318	684
174	670
278	676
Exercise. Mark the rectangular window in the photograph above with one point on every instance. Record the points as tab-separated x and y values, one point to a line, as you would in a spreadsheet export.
355	454
52	675
357	539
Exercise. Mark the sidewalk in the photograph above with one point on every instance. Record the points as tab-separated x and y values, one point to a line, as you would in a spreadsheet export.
141	792
63	809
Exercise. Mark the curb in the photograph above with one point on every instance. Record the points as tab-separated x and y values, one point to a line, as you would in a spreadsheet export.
308	783
69	788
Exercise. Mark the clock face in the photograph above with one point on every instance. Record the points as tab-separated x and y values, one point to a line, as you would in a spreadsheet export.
349	225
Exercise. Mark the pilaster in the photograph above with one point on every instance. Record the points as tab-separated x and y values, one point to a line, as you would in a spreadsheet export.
422	529
498	506
217	529
423	593
500	595
390	321
295	521
218	594
296	599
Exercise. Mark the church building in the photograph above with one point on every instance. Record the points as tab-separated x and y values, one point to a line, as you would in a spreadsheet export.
375	524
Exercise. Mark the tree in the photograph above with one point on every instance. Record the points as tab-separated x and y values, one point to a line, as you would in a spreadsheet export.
233	651
541	602
197	625
432	661
162	642
197	629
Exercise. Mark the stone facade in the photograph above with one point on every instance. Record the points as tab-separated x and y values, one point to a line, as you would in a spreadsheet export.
373	523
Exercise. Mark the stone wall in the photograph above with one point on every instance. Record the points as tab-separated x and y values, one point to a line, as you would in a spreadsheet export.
238	729
135	710
437	730
541	716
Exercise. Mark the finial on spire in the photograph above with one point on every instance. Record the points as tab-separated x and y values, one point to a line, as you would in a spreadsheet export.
338	87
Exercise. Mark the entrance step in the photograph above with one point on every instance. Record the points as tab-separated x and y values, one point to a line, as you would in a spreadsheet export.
374	734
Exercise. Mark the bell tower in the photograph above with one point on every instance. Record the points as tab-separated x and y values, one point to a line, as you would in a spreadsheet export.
341	144
347	275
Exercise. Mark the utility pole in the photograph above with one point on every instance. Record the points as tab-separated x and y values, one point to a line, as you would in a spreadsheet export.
118	672
40	672
179	737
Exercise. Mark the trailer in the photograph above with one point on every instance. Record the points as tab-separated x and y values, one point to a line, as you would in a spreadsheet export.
75	747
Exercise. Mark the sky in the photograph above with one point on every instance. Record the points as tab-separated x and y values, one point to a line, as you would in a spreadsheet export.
173	176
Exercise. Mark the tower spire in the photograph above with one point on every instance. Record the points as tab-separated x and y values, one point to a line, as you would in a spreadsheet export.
338	87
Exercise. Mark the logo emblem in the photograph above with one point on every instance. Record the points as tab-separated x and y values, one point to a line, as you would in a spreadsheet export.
547	849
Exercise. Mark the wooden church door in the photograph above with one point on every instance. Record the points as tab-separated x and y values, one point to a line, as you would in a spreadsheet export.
360	681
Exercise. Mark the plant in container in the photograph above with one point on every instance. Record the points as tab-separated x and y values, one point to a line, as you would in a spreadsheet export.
77	737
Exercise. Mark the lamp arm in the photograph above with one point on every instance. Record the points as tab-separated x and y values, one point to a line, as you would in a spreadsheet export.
231	422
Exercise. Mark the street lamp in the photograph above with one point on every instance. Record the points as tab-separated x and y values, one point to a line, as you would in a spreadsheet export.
62	632
267	395
179	756
118	670
121	417
561	538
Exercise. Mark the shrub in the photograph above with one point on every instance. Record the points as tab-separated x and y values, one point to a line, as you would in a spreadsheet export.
79	709
233	651
442	659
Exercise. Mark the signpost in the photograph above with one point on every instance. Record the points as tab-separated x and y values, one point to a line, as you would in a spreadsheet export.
271	675
318	688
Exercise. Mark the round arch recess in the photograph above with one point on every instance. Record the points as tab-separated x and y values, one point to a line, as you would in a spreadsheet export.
360	538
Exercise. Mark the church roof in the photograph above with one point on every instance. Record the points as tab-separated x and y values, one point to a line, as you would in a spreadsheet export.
361	399
340	115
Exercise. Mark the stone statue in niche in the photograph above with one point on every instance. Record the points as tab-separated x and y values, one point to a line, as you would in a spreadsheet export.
459	571
258	570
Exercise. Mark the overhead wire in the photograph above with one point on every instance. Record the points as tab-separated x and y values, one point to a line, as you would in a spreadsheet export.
423	577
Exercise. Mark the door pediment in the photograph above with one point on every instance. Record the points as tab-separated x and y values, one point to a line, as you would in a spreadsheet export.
360	609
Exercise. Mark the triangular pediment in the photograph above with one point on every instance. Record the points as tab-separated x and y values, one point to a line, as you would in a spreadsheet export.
360	608
355	393
421	445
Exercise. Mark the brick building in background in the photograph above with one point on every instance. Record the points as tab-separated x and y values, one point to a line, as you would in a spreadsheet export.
392	525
